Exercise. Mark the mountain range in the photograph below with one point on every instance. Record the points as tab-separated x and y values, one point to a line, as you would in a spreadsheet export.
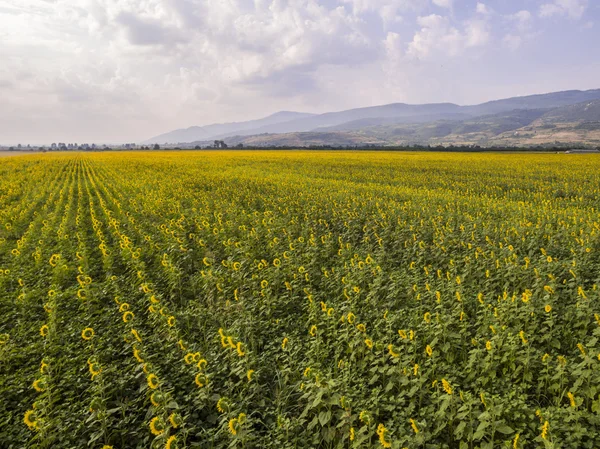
568	117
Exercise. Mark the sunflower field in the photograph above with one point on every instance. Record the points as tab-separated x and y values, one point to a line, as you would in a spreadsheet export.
299	300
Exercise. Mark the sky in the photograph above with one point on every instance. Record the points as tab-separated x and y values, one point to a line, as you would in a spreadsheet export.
115	71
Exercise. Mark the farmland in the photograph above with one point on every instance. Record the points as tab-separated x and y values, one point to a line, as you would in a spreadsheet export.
299	300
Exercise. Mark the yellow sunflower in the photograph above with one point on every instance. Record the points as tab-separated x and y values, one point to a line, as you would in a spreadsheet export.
29	420
87	333
157	427
152	381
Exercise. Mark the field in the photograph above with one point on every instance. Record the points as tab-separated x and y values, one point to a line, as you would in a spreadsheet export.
299	300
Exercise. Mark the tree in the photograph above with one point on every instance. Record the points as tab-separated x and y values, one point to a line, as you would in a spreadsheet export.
156	146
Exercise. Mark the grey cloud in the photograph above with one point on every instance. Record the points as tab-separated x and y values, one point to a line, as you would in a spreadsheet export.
142	32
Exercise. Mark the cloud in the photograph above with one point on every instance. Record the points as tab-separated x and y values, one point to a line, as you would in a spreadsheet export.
141	31
437	38
482	8
520	29
68	65
571	8
443	3
522	16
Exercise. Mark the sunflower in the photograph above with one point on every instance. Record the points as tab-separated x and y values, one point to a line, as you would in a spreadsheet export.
136	354
171	321
429	350
95	369
239	349
127	316
284	343
175	420
201	364
381	430
124	307
249	374
157	427
223	338
87	333
152	381
170	444
413	424
392	352
364	417
38	385
222	405
201	380
136	335
188	358
44	330
30	420
369	343
156	398
446	386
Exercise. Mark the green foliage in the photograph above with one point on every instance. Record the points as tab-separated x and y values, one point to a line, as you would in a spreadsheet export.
299	300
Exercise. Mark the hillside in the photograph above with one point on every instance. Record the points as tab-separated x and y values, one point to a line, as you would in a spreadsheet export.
222	129
577	113
572	124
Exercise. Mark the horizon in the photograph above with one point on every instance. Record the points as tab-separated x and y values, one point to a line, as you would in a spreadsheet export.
142	142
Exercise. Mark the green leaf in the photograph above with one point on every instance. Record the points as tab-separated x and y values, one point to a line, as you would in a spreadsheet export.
324	417
458	432
505	429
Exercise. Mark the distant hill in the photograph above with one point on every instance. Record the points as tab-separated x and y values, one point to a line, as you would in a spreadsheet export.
543	101
588	111
214	131
400	123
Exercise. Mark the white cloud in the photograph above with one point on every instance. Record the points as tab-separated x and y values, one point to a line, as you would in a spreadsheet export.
482	8
443	3
393	46
572	8
438	38
477	33
522	16
521	22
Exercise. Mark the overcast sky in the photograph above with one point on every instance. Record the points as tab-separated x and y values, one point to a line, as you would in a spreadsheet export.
126	70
